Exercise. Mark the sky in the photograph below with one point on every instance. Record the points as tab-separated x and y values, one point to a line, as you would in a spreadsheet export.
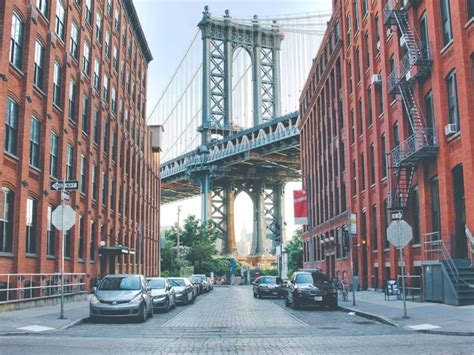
169	27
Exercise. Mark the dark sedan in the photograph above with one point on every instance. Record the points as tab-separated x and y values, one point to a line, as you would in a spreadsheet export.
268	286
163	295
311	288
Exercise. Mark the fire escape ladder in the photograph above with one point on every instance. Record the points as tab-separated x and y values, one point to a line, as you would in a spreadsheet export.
404	175
414	115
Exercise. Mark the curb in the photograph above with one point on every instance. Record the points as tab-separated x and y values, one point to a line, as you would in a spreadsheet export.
446	332
64	327
370	316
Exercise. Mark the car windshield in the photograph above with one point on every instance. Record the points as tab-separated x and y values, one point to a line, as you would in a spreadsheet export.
198	278
304	279
267	280
320	277
156	283
120	283
195	279
176	282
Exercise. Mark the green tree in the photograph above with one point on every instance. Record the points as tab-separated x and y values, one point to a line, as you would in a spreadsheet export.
295	252
197	247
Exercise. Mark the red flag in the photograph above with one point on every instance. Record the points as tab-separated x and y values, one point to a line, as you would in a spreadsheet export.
300	206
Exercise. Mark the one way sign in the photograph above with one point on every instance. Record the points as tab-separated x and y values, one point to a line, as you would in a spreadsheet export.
65	185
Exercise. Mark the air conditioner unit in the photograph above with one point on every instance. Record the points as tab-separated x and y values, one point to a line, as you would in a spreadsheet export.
408	75
377	79
378	45
450	128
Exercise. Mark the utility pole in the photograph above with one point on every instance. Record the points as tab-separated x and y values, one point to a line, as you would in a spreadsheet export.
177	233
63	193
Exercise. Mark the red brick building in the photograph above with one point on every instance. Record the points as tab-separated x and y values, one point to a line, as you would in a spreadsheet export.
73	79
408	73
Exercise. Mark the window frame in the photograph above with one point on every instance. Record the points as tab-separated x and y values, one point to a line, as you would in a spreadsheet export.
16	41
35	143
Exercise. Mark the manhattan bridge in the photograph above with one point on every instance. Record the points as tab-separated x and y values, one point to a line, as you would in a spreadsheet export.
230	119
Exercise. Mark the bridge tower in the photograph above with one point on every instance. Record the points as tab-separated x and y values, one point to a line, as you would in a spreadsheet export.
220	38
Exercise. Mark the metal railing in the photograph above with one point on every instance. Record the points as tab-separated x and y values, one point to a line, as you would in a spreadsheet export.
413	286
22	287
422	138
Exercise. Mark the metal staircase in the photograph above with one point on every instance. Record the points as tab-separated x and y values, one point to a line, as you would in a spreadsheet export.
415	64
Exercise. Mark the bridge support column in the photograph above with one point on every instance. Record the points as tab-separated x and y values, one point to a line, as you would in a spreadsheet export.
279	217
259	225
230	247
205	182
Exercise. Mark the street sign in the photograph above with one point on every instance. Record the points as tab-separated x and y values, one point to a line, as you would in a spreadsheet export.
399	233
65	185
397	215
69	217
65	196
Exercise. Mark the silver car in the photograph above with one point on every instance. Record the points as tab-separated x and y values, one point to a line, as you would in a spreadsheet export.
122	296
164	296
183	288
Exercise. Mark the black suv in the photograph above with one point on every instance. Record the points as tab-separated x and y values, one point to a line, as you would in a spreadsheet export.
311	288
268	286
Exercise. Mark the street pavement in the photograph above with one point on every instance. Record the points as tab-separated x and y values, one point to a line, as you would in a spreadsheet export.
230	321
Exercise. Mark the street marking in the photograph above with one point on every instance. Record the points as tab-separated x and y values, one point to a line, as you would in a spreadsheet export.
35	328
422	327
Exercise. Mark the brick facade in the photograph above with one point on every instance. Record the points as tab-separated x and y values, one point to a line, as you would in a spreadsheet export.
117	143
375	122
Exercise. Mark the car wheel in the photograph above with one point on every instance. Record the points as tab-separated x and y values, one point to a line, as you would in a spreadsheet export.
151	314
174	302
93	319
192	299
142	314
254	294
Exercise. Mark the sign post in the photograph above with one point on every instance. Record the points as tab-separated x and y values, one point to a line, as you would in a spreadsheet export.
63	218
352	234
400	233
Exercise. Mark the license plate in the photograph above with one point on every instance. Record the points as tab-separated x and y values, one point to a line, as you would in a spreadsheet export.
318	298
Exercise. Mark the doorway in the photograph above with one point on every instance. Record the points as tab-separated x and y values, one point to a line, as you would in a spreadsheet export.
460	244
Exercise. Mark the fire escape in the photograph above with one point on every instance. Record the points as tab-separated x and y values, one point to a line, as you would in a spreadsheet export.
414	65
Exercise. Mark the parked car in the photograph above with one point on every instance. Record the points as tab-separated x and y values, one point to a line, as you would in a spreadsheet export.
268	286
311	288
210	283
196	288
122	296
184	289
164	296
198	282
201	279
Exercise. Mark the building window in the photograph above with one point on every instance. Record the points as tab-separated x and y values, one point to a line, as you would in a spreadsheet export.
35	132
452	92
354	178
117	20
374	228
386	223
367	51
80	252
415	209
107	45
362	172
365	8
94	182
356	15
114	101
360	118
357	65
92	242
85	114
86	64
114	147
11	127
352	127
348	29
112	195
60	19
350	77
31	225
106	136
377	34
57	85
72	100
384	157
470	9
96	127
53	155
435	205
83	181
115	60
67	243
16	41
98	28
89	12
396	136
104	190
96	74
42	6
39	65
109	8
105	95
74	41
372	164
69	162
369	105
424	38
6	220
446	21
51	242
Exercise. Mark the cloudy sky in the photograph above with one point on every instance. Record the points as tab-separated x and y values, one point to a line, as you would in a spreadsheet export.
170	26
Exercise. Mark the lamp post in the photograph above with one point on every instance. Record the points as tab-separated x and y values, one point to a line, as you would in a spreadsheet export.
177	234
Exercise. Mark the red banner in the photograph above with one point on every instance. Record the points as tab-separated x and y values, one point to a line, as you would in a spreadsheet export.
300	207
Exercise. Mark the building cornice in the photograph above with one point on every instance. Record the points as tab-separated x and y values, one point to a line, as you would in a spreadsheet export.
137	29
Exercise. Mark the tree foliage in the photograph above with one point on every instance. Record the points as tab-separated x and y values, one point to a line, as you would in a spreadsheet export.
295	252
197	248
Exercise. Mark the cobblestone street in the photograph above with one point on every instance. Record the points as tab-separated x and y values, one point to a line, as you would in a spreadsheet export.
230	320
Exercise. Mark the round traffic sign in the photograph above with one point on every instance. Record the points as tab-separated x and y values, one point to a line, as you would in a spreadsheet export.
69	217
399	233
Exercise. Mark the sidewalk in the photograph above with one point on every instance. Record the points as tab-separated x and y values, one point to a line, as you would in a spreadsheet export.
425	317
43	319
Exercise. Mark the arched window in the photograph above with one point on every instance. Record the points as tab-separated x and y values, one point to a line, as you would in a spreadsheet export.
7	199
